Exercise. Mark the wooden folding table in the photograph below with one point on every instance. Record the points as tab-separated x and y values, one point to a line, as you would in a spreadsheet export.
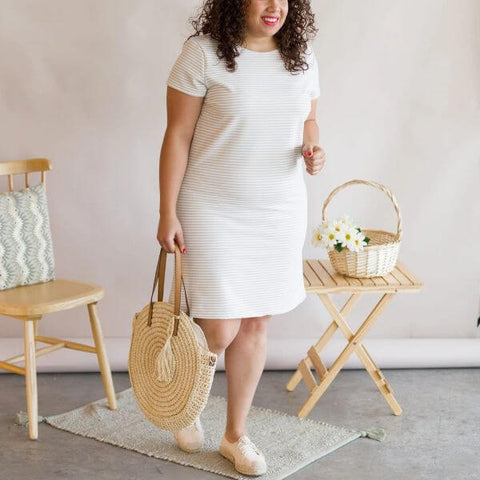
322	279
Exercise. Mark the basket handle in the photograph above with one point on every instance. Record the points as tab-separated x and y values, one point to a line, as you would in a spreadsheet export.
381	187
160	277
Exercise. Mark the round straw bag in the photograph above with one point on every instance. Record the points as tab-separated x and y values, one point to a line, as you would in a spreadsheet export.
380	255
170	367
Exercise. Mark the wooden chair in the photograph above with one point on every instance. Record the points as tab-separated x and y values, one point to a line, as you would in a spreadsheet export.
30	302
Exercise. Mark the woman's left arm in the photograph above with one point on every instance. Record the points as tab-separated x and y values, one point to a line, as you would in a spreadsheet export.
313	154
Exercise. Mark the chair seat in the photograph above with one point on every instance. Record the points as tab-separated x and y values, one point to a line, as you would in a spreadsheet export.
53	296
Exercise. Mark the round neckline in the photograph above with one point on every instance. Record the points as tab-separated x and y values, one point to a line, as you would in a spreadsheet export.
259	51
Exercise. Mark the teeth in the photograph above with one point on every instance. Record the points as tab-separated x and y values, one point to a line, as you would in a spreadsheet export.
270	19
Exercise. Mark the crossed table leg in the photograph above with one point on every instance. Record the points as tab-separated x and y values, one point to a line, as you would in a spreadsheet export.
325	375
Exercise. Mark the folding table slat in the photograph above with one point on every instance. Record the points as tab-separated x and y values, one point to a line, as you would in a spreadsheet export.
401	277
367	282
311	276
379	281
321	274
390	279
412	278
338	280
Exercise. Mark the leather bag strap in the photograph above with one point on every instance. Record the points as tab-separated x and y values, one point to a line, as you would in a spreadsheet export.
160	278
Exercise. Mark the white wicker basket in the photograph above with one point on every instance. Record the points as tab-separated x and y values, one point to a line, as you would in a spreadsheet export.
380	255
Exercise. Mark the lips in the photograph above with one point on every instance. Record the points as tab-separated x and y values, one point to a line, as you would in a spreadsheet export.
270	20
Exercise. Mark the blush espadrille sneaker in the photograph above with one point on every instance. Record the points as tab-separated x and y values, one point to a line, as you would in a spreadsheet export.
245	456
190	439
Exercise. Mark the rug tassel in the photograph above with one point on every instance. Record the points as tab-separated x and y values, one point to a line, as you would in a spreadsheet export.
22	418
375	433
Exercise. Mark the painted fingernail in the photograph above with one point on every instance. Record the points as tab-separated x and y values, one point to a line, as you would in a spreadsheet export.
309	153
184	250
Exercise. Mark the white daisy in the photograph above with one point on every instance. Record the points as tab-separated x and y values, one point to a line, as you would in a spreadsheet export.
358	242
329	237
317	236
347	220
337	224
346	235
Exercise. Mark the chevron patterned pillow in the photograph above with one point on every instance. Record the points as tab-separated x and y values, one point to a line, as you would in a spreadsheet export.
26	250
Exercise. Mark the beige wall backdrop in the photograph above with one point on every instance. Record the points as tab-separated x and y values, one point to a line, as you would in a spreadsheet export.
83	82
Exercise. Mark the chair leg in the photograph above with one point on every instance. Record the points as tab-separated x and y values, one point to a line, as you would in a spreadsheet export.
102	356
31	378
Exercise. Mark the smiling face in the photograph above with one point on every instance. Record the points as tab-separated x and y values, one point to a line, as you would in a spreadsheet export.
264	19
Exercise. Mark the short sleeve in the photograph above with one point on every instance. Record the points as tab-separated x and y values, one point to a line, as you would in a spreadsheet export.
188	71
312	73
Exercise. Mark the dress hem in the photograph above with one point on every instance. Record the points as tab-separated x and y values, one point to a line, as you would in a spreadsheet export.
249	314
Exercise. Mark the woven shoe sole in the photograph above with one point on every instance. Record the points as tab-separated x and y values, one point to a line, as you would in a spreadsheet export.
254	470
189	450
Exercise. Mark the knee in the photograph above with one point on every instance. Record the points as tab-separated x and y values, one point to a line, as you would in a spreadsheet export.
219	340
219	333
255	326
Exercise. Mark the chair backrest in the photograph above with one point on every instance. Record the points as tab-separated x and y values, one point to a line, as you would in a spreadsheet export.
30	165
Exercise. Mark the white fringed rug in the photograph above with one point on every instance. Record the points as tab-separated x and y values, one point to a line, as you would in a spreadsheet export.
288	442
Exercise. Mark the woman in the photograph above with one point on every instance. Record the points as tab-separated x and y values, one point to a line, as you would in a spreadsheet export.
241	108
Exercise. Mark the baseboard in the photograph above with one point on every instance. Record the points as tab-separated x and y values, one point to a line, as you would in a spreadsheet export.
282	354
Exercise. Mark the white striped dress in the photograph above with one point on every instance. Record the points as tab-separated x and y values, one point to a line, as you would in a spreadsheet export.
243	201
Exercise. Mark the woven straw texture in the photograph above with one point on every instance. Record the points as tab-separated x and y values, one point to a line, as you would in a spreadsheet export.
380	256
170	367
175	404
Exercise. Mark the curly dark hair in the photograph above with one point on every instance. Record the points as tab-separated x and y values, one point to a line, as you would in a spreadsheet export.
225	21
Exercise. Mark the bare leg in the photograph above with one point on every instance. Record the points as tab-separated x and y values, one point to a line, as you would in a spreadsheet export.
244	362
219	333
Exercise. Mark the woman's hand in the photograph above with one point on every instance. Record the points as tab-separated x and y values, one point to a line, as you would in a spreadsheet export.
169	232
314	157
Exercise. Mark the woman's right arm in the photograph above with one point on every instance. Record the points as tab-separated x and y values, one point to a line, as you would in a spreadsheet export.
182	114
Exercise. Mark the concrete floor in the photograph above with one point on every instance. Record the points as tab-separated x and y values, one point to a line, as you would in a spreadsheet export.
437	437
